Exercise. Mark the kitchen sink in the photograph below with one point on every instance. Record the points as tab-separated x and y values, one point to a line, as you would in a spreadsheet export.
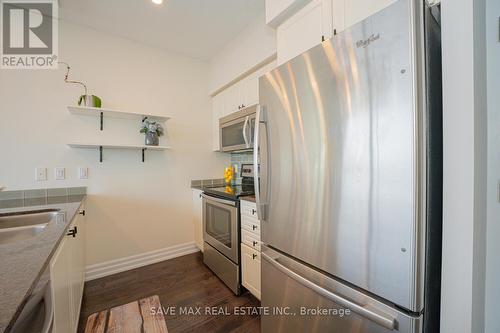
20	226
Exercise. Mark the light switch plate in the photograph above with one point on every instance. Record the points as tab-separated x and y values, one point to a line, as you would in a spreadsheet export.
40	174
83	173
59	173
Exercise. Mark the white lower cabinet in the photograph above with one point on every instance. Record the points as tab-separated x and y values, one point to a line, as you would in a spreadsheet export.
67	274
198	218
250	247
250	269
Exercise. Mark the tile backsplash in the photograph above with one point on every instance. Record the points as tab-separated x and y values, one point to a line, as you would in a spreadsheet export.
42	193
237	159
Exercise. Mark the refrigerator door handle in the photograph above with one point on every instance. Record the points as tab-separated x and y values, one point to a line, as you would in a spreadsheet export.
385	321
260	198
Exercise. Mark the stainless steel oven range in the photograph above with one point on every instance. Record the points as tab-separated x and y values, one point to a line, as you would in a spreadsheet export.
221	228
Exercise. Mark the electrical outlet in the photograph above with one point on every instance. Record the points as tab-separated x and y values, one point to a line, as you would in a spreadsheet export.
59	173
83	173
40	174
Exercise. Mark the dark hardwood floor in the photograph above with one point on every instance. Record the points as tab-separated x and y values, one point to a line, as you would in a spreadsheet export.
179	282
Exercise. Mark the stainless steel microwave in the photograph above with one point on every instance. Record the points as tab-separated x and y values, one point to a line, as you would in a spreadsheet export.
236	130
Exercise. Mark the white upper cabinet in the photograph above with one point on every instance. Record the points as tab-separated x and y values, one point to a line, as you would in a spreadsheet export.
249	90
304	30
302	24
232	99
358	10
242	94
338	15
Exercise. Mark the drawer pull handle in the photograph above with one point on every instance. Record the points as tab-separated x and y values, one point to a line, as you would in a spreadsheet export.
254	256
254	227
82	212
254	243
253	211
72	232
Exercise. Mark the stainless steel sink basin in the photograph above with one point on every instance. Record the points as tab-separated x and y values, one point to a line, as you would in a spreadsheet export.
19	226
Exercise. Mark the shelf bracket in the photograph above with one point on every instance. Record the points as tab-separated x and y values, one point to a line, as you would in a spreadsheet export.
102	120
100	154
143	150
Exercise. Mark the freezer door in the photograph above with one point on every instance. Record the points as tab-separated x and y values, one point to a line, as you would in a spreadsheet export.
337	137
300	299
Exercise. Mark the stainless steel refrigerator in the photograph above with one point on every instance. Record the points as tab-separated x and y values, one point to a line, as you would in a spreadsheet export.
349	141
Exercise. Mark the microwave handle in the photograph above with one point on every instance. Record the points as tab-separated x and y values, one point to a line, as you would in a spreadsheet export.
245	125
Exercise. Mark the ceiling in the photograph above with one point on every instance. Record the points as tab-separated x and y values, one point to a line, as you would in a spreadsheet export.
195	28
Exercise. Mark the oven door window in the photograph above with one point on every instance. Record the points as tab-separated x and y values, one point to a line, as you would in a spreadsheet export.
218	223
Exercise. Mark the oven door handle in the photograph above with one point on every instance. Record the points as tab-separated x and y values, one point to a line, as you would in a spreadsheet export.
222	201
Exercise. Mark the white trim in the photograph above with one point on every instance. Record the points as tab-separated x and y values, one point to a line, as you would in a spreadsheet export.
124	264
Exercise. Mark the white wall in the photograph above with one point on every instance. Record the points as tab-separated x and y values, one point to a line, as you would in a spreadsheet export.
492	320
464	200
249	49
133	207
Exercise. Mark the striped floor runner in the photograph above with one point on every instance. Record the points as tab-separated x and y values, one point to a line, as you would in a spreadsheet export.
133	317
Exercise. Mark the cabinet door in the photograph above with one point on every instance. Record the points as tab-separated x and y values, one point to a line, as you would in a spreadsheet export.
232	98
197	218
304	30
249	90
338	15
358	10
77	265
217	111
60	268
250	270
67	272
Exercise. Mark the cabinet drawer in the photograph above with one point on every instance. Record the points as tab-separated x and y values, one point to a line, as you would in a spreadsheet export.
250	270
248	208
252	225
250	239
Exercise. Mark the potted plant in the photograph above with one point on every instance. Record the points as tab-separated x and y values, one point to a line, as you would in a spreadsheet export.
85	99
153	131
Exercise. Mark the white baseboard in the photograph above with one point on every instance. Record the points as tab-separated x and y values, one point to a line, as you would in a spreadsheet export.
124	264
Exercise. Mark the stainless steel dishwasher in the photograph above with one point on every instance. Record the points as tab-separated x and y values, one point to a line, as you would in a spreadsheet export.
38	313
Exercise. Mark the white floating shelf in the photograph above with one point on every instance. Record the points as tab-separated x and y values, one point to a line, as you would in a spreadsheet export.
96	112
101	146
116	146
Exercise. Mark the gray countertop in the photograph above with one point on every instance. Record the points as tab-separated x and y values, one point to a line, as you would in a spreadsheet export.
23	262
250	198
202	188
